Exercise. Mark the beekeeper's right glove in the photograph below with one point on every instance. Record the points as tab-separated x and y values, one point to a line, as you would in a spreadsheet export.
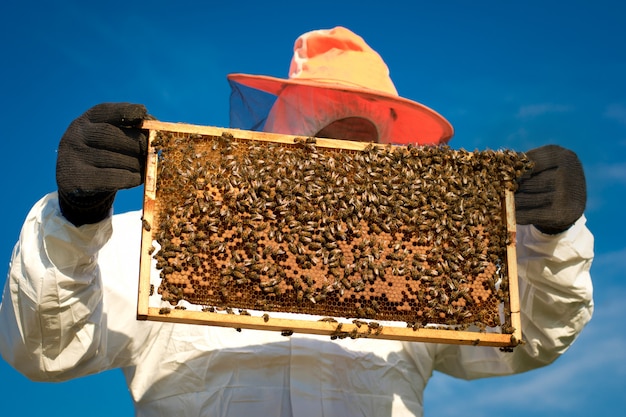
101	152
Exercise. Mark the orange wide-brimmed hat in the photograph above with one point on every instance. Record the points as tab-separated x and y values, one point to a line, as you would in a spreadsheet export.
338	71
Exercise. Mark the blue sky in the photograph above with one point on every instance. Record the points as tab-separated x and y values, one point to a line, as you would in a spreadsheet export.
506	74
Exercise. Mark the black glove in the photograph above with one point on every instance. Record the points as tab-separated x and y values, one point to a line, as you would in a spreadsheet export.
554	195
101	152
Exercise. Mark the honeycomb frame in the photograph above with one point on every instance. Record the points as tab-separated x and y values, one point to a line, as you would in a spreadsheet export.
206	147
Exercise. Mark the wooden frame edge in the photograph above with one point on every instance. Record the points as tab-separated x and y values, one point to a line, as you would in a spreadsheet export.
253	135
425	334
511	256
143	294
330	328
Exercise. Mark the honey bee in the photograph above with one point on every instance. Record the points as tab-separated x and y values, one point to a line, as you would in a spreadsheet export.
328	320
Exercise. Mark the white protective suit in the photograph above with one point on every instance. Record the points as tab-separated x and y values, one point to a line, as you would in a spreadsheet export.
69	309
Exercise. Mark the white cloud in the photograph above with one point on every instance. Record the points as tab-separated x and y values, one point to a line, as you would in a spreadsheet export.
614	261
607	173
534	110
617	112
594	368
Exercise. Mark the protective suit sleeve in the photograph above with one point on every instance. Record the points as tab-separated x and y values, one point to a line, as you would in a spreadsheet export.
556	303
53	321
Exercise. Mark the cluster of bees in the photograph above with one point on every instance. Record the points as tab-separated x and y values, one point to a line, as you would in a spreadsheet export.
409	234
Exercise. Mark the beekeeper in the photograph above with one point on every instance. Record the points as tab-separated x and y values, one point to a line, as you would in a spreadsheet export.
69	304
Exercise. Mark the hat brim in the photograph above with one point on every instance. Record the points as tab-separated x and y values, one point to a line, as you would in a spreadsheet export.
414	123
